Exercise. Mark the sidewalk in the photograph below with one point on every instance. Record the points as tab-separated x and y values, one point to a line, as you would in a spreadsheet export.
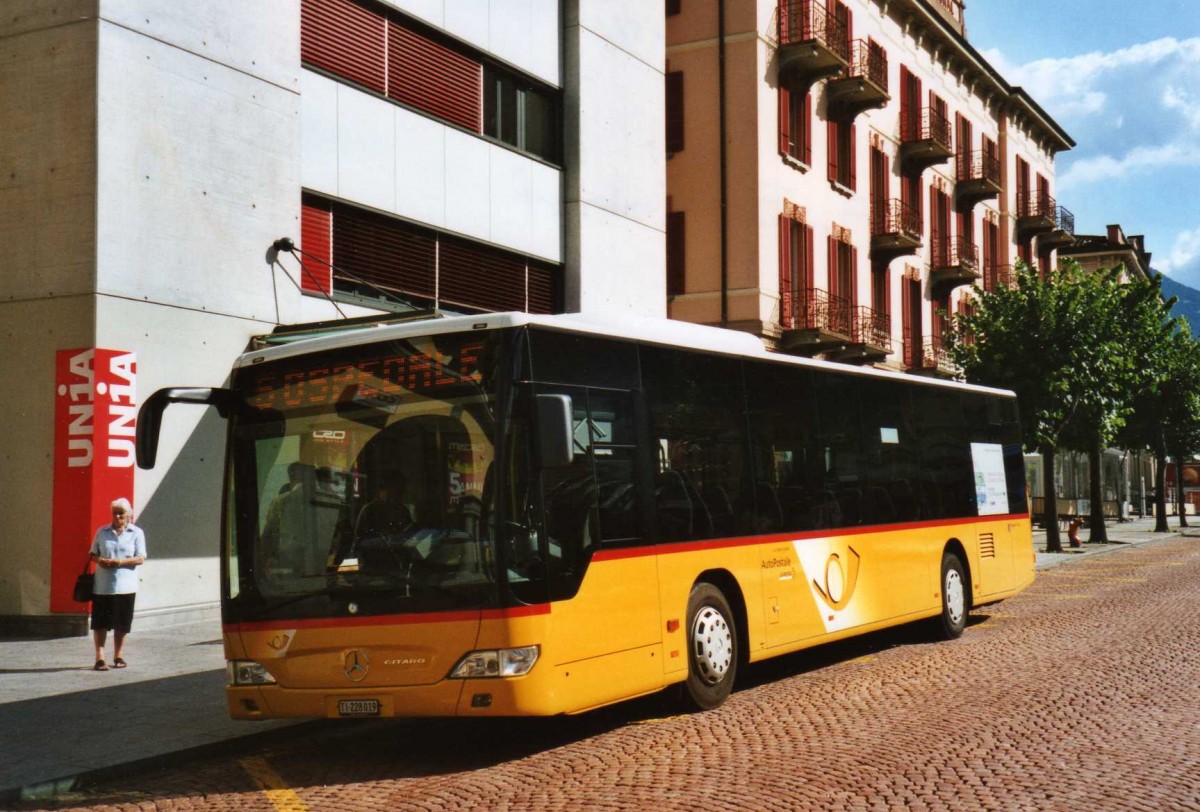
62	722
1120	536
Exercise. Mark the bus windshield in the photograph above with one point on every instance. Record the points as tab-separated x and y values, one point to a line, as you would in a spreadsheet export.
360	479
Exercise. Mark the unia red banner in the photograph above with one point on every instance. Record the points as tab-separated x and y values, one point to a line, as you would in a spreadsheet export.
95	420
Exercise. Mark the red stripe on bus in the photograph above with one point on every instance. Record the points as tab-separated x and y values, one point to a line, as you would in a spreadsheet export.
390	620
774	538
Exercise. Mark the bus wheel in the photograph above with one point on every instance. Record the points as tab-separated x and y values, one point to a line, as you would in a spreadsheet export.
712	647
954	597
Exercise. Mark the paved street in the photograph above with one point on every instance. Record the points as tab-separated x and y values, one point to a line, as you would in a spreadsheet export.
1081	694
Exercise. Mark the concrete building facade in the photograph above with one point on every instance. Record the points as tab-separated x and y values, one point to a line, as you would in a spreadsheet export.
152	155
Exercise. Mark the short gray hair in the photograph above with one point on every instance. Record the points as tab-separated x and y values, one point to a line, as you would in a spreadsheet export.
123	503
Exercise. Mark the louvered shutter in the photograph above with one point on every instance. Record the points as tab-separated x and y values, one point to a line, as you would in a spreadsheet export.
344	39
853	157
806	154
831	130
786	300
906	123
806	280
674	112
429	76
831	249
853	297
315	243
786	136
378	250
472	275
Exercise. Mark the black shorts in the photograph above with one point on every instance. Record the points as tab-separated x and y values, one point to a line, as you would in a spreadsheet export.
113	612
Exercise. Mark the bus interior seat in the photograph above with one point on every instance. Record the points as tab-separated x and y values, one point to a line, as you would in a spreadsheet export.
882	511
768	513
720	509
673	505
850	500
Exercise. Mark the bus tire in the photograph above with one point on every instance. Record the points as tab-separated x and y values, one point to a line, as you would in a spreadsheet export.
712	642
955	597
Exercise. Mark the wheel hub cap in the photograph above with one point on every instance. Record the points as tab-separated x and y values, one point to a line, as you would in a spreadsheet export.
712	645
955	597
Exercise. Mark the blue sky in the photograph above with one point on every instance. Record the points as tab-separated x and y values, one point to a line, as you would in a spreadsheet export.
1123	78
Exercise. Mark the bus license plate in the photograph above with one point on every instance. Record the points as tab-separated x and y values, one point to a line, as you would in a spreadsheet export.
358	707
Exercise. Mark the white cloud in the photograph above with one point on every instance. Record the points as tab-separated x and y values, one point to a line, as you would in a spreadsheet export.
1137	160
1184	254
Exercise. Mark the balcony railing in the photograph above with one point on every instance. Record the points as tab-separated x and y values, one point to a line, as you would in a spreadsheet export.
819	310
957	252
928	124
999	276
979	165
1064	220
1033	205
869	63
809	21
931	356
896	217
871	328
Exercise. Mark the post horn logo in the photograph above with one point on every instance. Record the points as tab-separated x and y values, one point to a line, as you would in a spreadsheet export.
840	579
355	665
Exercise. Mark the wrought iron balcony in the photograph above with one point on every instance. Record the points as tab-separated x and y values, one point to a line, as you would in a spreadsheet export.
926	139
813	44
978	178
819	322
895	229
999	276
862	85
871	330
929	358
954	262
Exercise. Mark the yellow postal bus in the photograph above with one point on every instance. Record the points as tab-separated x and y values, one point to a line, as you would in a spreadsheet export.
509	514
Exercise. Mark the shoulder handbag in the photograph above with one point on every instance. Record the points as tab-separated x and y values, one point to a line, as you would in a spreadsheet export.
84	583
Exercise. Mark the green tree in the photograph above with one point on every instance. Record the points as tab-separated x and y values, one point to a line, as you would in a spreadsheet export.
1166	413
1139	325
1051	342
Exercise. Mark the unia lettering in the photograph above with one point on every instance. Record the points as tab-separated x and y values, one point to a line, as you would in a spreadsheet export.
122	410
80	410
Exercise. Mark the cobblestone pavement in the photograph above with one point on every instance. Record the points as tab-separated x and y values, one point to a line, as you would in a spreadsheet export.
1083	693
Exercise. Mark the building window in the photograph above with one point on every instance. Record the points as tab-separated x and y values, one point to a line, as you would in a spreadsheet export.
795	271
519	114
402	60
795	131
676	253
843	169
673	7
843	272
674	105
383	262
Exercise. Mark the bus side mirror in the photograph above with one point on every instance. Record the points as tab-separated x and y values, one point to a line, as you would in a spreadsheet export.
556	432
149	420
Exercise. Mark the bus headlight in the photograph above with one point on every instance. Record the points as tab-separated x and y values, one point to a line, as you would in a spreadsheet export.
505	662
247	672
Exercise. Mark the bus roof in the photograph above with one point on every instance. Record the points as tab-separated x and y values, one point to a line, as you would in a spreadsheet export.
668	332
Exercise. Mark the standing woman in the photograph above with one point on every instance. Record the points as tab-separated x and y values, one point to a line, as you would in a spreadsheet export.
118	549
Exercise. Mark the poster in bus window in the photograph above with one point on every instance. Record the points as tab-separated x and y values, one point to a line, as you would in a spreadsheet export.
466	470
991	488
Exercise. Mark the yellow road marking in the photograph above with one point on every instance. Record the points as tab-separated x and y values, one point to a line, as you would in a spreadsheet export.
281	796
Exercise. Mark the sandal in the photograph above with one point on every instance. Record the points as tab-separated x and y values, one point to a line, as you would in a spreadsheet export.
119	663
100	666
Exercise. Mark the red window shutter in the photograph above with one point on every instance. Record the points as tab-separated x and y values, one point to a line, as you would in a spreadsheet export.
907	130
853	275
853	156
786	300
806	155
471	275
849	24
887	178
934	229
806	281
429	76
383	252
674	111
676	253
316	242
831	130
831	250
344	39
786	136
543	288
